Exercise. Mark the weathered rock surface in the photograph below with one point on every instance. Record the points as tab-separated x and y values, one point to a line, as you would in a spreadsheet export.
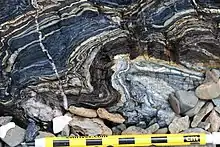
41	111
195	130
208	90
201	114
116	118
14	136
196	109
83	111
89	126
31	131
187	100
174	103
144	92
214	120
179	124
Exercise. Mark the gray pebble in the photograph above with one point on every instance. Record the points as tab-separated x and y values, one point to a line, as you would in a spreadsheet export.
116	131
121	127
5	119
196	109
187	100
195	130
14	136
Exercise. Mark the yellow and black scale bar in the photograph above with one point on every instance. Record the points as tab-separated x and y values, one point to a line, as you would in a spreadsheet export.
127	140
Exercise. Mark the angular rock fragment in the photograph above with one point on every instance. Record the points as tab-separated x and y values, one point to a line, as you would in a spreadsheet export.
196	109
187	100
116	118
83	111
217	109
201	114
31	131
14	136
214	120
89	126
66	131
60	122
179	124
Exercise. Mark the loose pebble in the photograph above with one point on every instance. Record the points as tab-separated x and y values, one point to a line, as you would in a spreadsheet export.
208	90
214	120
153	128
60	122
133	130
179	124
122	127
116	131
5	128
43	134
80	111
116	118
196	109
204	125
162	131
5	119
14	136
31	131
66	131
174	103
201	114
187	100
89	126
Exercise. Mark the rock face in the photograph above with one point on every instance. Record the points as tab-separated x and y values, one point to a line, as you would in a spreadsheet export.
145	87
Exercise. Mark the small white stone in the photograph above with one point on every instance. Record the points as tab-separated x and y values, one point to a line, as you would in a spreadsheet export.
60	122
5	128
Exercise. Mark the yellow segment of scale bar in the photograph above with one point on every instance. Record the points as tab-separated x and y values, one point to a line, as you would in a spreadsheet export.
127	140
